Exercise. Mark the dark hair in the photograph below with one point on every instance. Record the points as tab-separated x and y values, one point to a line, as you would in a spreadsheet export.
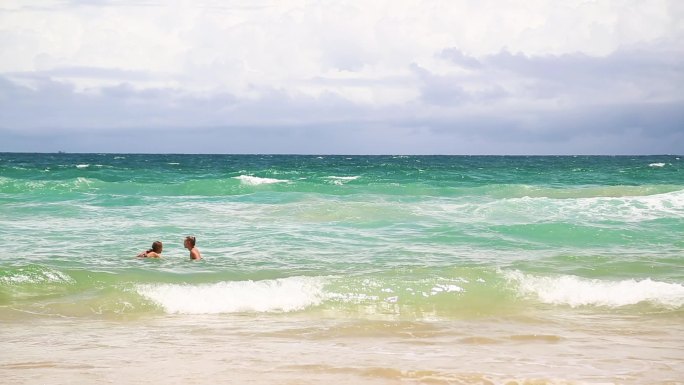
156	247
191	239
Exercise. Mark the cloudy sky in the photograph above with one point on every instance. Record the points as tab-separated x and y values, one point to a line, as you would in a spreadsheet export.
345	77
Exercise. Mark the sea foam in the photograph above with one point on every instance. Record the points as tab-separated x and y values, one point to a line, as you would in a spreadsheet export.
591	209
339	180
576	291
278	295
255	181
35	274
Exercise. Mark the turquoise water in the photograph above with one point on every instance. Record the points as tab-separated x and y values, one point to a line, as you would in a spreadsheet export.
358	237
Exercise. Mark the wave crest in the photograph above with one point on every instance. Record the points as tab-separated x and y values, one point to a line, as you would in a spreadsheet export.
34	274
278	295
255	180
577	291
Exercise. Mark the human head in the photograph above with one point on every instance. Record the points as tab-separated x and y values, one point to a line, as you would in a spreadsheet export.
157	246
190	241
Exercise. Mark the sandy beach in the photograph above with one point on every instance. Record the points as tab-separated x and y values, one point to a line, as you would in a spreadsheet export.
299	350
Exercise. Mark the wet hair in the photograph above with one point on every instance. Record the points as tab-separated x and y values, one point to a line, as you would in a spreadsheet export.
191	239
156	247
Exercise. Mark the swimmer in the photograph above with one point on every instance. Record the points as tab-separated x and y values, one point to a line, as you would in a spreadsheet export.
154	252
189	244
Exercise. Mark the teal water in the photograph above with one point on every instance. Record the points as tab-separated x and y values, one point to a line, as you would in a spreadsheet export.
402	237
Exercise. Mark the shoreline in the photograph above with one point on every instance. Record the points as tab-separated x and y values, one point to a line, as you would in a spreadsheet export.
295	349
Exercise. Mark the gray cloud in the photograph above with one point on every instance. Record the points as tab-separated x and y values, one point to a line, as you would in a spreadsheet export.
457	57
122	119
647	73
457	90
626	102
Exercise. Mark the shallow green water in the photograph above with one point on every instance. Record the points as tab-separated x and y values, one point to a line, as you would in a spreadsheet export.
409	237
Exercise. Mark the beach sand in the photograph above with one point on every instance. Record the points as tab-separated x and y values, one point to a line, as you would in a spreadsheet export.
292	349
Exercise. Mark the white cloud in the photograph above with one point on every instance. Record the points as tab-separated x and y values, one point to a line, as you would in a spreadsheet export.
431	67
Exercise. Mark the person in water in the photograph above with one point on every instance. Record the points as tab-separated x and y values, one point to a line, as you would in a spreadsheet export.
190	245
154	252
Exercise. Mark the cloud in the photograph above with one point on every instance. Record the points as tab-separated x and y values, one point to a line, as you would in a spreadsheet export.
123	119
643	74
459	58
379	77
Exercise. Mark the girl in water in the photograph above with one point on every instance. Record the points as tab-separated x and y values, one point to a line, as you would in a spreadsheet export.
154	252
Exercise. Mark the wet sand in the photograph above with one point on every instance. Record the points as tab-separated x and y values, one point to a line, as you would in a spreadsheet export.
295	349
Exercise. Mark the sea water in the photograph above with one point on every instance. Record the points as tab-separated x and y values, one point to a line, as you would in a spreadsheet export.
342	269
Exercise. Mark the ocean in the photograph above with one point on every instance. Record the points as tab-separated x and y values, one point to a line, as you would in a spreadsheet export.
342	269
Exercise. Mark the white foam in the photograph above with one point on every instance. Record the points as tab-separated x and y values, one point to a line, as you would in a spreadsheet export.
339	180
545	209
355	298
446	289
278	295
82	165
80	181
33	276
255	180
343	177
657	165
577	291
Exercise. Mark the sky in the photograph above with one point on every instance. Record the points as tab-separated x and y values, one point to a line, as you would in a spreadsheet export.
539	77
